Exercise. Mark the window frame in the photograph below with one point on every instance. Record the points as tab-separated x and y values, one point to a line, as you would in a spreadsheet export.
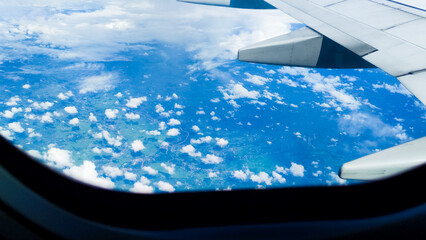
174	211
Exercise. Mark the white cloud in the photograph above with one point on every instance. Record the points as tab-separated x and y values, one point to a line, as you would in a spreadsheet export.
297	170
112	172
71	110
6	133
279	169
237	91
154	133
132	116
173	132
170	169
135	102
221	142
213	174
102	82
164	144
164	186
46	118
173	122
13	101
262	177
35	154
65	96
42	105
11	113
396	88
137	146
150	170
212	159
288	82
16	127
190	150
239	175
159	108
92	118
162	126
130	176
142	186
257	80
111	113
58	157
178	106
206	139
87	173
98	31
332	87
234	103
362	123
116	142
26	86
336	179
195	128
278	177
74	121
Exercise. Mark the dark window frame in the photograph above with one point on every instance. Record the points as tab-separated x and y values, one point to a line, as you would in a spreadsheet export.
173	211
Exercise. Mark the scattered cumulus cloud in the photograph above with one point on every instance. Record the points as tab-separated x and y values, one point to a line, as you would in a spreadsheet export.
211	159
237	91
239	175
190	150
142	186
221	142
74	121
170	169
137	146
165	186
102	82
297	170
132	116
150	170
173	122
16	127
206	139
130	176
112	172
58	157
256	79
65	96
173	132
262	177
71	110
363	123
396	88
111	113
135	102
87	173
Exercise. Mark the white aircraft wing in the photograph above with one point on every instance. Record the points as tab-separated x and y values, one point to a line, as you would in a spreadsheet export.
387	34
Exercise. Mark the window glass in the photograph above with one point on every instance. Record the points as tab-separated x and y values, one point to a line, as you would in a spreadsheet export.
148	96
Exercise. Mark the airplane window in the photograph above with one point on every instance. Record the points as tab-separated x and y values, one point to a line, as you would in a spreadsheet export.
149	97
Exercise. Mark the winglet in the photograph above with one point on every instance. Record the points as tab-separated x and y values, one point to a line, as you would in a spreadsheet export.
386	163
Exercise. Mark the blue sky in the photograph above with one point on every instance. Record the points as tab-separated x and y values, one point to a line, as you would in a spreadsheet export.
147	96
